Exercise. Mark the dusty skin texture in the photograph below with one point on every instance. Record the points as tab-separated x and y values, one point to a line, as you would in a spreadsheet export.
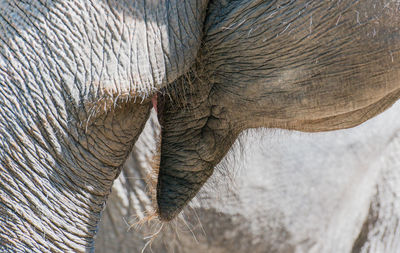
77	77
75	81
276	192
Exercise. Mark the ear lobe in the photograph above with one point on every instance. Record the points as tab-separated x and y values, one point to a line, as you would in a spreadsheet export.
188	157
175	188
193	141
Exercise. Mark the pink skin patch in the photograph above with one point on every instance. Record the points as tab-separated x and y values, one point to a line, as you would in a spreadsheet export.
154	102
158	107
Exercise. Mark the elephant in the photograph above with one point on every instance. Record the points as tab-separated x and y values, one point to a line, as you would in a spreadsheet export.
288	192
78	80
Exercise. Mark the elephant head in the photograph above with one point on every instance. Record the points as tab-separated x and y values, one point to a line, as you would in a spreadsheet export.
300	65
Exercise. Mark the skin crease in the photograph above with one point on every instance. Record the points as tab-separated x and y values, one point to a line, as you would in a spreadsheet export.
303	65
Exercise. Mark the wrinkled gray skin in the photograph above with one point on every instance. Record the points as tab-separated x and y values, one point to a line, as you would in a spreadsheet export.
75	84
288	192
303	65
77	77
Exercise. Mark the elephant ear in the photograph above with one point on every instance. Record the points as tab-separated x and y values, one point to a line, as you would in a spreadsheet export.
182	172
195	136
